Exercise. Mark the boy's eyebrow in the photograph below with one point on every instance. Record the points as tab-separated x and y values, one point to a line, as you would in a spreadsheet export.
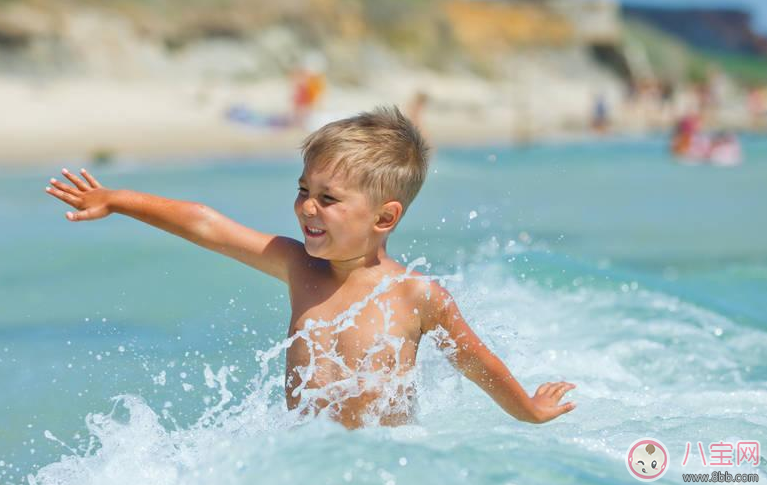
302	180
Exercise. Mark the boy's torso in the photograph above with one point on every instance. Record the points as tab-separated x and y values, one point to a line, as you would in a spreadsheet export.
349	348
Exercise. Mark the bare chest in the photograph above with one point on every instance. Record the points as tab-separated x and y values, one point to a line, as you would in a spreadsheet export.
338	333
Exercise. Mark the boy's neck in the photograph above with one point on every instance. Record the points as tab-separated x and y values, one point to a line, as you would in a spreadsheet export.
359	266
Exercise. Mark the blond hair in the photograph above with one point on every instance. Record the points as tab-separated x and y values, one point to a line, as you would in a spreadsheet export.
380	151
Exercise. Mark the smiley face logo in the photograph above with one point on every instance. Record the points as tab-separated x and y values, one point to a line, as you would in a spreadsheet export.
647	459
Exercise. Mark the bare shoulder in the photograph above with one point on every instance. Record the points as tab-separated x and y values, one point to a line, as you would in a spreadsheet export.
290	252
291	248
430	298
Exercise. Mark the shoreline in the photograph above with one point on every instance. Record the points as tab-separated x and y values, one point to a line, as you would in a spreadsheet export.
94	118
168	150
101	120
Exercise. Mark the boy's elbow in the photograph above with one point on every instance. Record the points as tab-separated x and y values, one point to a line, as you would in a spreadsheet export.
205	219
202	211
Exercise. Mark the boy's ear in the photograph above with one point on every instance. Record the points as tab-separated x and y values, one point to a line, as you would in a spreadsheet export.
388	216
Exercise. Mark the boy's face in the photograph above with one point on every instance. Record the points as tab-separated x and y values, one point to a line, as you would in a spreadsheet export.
336	218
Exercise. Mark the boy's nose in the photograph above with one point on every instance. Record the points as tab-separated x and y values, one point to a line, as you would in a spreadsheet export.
308	208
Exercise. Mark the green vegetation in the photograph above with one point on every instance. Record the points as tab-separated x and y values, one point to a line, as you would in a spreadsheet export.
671	58
749	70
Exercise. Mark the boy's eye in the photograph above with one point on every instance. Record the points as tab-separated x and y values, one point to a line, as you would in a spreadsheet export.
654	464
326	198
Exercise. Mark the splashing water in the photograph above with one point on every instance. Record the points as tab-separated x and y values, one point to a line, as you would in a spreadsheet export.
114	441
651	302
637	356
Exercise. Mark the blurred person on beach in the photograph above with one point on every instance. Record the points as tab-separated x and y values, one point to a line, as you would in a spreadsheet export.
757	107
691	144
725	149
600	121
358	316
308	87
685	131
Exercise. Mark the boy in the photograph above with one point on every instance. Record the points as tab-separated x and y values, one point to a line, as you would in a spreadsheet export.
349	360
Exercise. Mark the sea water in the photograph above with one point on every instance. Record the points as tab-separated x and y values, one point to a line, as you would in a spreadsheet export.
130	356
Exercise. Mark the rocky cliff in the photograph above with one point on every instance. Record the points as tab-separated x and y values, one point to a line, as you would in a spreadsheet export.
242	39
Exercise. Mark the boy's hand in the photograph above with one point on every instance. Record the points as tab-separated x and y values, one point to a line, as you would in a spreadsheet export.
484	368
91	199
546	401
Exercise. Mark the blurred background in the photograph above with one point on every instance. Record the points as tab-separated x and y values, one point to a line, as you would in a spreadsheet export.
104	79
596	194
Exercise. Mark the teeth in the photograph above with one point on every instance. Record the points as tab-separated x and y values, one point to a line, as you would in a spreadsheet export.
314	231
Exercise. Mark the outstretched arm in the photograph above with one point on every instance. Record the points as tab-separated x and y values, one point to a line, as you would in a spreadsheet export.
192	221
475	361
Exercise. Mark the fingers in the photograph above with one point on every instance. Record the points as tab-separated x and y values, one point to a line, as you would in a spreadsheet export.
65	196
85	215
74	179
64	187
559	389
547	397
91	180
544	388
565	408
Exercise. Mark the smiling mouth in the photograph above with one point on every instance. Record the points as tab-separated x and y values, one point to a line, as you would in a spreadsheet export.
644	471
313	232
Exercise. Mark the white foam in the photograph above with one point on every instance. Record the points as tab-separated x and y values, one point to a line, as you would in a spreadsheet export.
644	363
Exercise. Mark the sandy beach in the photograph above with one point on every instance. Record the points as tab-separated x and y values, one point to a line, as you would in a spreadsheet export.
85	118
110	82
79	119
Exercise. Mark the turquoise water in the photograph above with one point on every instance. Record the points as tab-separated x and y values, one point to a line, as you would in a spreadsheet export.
600	262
